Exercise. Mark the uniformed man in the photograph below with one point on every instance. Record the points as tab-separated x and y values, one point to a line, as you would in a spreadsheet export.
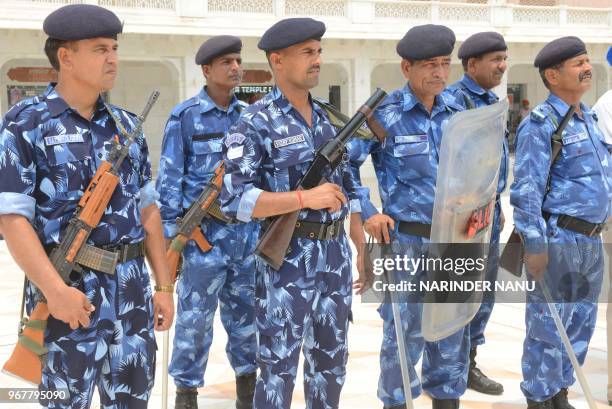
226	274
483	56
306	303
406	166
100	332
560	227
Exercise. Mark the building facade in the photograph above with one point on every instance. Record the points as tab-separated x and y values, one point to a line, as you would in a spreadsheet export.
161	37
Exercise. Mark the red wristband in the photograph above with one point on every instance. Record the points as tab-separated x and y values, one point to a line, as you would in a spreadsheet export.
299	196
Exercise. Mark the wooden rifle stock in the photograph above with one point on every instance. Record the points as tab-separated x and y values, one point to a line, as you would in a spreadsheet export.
274	242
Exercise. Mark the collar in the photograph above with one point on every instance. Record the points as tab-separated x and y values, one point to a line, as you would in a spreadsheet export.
207	104
285	106
57	105
410	101
561	106
469	83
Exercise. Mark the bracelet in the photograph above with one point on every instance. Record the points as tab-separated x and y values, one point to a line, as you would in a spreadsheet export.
164	288
299	196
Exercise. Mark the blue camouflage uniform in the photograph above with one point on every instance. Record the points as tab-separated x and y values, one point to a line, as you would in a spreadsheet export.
191	151
48	155
406	165
580	187
479	98
307	302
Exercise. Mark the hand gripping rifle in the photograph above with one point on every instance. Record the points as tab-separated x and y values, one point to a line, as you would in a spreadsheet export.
27	357
274	242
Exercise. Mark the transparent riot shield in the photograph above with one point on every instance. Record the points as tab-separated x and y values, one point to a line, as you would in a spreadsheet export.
470	156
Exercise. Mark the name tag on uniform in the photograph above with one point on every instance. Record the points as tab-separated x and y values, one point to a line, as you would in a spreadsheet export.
66	138
574	138
410	138
235	152
291	140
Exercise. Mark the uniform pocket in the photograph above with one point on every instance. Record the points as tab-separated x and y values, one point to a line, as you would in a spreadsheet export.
68	167
203	147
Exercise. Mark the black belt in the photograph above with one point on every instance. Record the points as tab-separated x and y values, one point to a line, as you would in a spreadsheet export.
105	258
415	229
577	225
319	231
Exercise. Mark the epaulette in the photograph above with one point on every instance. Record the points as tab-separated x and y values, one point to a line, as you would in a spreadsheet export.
16	109
452	100
183	106
395	97
540	113
338	119
120	110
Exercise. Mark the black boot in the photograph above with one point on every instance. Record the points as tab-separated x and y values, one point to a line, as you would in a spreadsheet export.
245	390
444	403
547	404
402	406
186	398
560	400
481	382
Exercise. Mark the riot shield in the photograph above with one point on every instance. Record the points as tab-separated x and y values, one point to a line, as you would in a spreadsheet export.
470	156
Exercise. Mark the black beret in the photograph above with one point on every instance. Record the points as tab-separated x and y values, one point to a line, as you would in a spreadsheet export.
427	41
217	46
558	51
291	31
482	43
81	21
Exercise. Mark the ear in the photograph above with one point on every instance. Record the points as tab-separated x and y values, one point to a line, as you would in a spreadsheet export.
206	70
406	66
276	60
552	76
64	55
471	65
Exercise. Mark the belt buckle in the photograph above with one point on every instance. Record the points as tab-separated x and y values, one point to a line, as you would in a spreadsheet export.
596	230
121	255
330	232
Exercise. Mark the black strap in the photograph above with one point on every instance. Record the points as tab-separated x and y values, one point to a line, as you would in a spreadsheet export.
415	229
207	136
318	231
314	230
468	101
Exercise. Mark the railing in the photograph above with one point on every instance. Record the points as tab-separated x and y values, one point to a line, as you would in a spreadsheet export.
146	4
569	14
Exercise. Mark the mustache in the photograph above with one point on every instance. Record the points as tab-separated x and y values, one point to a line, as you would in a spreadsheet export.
584	75
314	67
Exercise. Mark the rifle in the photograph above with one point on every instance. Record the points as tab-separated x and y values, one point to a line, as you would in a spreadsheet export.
189	229
513	255
274	242
27	357
189	225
